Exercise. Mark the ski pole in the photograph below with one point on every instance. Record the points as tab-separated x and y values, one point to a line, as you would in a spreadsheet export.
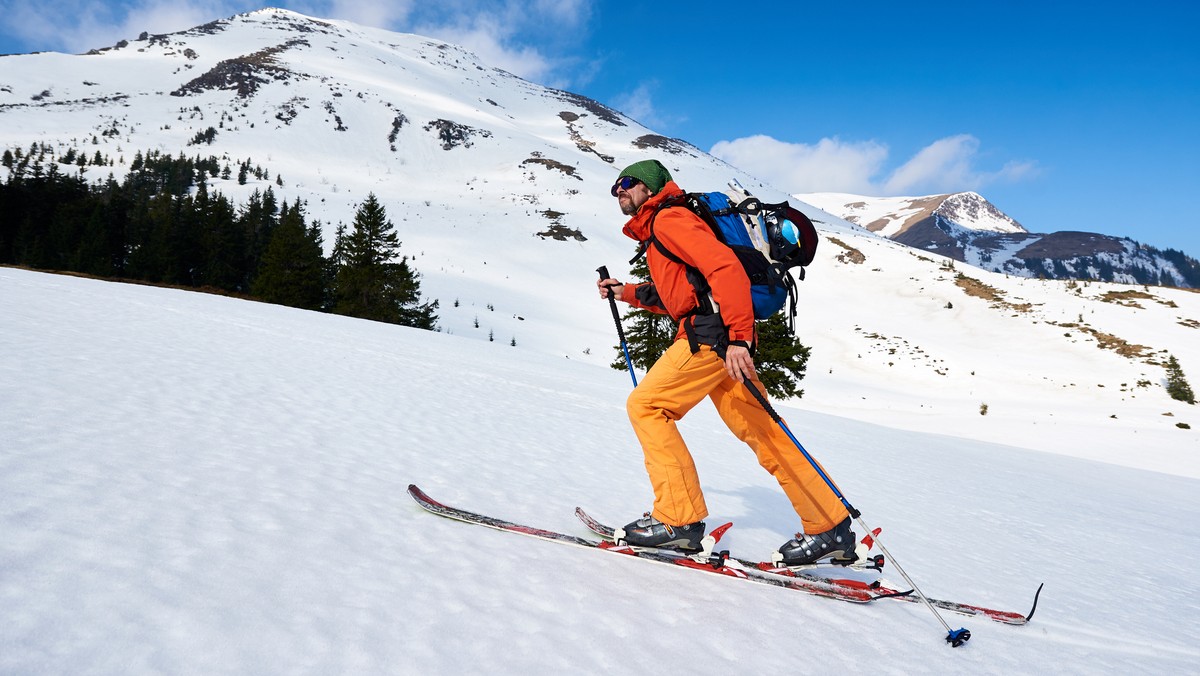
955	637
612	303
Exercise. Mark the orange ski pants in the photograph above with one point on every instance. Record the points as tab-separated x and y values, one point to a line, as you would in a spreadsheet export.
675	384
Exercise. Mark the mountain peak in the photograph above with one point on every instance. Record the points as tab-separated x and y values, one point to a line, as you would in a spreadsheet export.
970	210
893	216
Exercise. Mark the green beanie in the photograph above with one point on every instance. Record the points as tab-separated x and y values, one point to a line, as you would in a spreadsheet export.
650	172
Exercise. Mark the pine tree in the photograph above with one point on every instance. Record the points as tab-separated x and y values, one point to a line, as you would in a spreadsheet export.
408	295
293	270
365	254
1177	384
225	264
781	360
369	283
257	221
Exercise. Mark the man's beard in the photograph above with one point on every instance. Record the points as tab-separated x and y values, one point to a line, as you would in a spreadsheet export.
627	207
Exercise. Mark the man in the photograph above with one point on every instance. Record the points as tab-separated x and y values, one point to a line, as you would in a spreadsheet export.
711	356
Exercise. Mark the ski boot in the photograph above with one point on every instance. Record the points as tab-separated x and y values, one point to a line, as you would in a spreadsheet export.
836	544
650	532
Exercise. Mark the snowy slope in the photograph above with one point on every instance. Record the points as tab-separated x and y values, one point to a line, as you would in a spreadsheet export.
192	483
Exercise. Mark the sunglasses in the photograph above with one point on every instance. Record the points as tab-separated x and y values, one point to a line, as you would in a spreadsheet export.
624	183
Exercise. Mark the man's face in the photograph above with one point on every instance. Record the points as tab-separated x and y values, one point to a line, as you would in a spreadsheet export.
632	198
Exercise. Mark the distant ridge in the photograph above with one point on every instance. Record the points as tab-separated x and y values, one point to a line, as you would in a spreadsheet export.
968	228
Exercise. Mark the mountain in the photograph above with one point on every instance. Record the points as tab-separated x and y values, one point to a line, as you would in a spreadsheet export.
499	191
968	228
895	217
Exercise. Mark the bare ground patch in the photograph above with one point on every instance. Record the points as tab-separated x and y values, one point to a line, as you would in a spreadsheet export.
850	255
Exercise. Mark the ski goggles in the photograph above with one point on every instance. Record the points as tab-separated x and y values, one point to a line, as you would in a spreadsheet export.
624	183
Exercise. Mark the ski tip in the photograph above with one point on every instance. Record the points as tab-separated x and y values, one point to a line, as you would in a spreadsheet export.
1036	595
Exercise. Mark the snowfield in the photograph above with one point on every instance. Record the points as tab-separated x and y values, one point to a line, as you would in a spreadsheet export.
197	484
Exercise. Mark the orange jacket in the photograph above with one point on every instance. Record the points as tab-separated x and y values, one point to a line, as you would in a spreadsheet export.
688	237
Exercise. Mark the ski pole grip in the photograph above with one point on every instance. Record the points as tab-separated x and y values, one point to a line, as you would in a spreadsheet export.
603	270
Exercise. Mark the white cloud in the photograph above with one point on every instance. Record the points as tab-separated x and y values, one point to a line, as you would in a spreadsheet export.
831	165
951	165
639	104
561	14
511	34
374	14
485	39
165	16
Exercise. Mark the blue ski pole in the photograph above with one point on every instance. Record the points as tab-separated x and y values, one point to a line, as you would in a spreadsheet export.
612	303
955	637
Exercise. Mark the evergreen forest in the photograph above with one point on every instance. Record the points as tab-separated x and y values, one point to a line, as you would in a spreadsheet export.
163	225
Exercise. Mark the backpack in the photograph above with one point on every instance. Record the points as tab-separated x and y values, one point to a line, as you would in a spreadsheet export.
768	239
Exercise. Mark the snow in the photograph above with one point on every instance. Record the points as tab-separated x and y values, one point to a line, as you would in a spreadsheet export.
197	483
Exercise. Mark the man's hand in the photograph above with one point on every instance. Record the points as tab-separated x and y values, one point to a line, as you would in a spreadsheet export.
609	286
739	363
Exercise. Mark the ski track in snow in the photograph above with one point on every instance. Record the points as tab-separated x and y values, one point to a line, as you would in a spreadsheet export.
192	483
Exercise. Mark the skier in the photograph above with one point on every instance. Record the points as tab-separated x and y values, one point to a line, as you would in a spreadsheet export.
711	356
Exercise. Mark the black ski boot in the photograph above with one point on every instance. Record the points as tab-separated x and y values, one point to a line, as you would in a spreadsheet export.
650	532
837	543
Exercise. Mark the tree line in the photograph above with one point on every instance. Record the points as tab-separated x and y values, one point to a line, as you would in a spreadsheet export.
163	224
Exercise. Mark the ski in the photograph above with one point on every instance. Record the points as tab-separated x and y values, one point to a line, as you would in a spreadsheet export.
878	588
712	563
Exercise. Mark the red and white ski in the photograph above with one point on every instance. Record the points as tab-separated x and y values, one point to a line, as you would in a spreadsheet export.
718	562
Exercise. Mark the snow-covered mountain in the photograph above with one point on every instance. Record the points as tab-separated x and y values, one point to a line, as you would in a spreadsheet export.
966	227
893	217
499	192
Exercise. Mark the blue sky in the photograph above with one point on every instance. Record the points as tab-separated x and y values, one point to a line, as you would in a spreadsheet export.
1067	116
